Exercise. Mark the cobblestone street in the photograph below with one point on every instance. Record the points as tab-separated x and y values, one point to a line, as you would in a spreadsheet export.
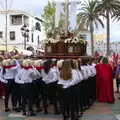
99	111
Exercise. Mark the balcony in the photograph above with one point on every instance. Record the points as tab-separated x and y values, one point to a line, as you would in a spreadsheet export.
19	19
16	19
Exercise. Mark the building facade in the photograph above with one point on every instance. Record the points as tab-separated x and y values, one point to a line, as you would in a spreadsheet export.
16	20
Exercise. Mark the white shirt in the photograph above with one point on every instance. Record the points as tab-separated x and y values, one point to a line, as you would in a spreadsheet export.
93	70
25	76
84	72
1	76
80	75
10	73
18	67
37	74
50	77
89	70
71	82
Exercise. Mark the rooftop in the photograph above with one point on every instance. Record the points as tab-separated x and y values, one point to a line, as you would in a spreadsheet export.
16	12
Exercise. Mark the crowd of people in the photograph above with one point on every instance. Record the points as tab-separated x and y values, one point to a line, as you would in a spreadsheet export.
70	85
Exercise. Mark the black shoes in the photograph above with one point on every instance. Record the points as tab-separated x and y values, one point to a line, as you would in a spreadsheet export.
28	114
65	118
45	112
39	110
31	114
7	109
16	109
24	113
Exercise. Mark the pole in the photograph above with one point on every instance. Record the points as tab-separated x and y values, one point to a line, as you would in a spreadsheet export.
116	46
66	16
25	40
6	24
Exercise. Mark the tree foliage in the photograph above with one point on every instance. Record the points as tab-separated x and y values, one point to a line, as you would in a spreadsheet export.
62	21
90	17
48	17
109	8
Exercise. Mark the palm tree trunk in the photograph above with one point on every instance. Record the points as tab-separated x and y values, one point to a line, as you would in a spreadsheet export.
91	35
108	33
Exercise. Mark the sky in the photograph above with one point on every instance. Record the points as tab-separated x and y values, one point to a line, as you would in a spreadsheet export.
35	7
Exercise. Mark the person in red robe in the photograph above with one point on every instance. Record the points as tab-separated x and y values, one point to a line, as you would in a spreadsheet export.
104	82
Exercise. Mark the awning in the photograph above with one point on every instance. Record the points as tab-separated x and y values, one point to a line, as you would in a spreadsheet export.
13	48
9	48
24	52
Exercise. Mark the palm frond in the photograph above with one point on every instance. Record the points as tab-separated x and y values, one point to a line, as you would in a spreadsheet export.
90	12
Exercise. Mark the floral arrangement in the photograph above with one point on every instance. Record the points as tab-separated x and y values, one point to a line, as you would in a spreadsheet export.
67	40
51	40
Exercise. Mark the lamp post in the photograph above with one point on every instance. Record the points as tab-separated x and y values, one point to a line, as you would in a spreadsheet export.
6	30
116	46
25	34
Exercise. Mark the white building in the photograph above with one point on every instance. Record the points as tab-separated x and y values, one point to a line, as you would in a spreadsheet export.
16	20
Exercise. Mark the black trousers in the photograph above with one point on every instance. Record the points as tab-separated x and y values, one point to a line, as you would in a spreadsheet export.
37	96
85	96
9	91
27	97
52	91
70	101
17	96
49	94
117	84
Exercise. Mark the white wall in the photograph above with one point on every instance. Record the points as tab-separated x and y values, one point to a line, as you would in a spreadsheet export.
19	40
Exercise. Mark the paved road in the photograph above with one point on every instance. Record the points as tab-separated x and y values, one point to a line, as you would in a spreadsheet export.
99	111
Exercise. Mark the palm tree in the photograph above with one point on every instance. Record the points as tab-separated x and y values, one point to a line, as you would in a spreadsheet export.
108	8
89	16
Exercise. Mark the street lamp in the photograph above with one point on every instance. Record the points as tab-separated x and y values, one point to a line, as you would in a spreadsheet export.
25	34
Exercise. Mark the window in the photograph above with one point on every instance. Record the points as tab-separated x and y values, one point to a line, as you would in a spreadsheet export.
1	34
38	26
26	20
32	37
16	19
27	38
38	40
12	35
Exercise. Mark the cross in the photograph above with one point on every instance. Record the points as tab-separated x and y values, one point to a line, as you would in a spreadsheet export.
66	15
67	3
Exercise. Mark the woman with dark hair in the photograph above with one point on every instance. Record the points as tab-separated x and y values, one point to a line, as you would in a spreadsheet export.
104	82
99	59
49	78
68	79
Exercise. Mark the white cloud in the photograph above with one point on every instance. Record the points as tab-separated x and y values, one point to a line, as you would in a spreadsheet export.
32	6
35	7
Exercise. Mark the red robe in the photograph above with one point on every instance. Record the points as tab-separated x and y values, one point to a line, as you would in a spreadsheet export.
104	83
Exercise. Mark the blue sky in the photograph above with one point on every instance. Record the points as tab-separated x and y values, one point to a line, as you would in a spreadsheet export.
35	7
